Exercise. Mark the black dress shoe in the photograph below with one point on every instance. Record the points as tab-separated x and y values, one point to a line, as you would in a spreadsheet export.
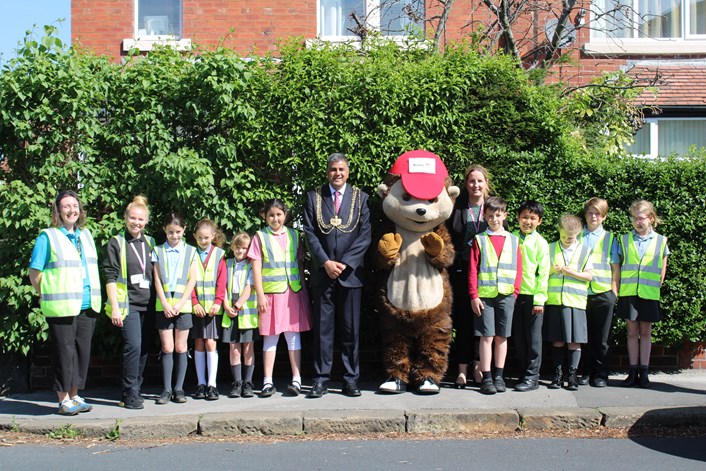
598	382
583	380
267	390
527	385
351	390
317	390
294	388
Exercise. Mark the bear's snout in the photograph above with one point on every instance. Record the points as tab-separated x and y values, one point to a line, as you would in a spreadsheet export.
421	211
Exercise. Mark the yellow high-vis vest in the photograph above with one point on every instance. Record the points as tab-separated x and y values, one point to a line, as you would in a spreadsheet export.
61	284
247	316
175	293
567	290
206	281
600	258
279	269
642	276
497	275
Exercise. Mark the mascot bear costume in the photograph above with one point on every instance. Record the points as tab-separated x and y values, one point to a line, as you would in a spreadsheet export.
417	197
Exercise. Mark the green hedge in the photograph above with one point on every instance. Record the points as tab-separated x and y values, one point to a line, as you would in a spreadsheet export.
211	135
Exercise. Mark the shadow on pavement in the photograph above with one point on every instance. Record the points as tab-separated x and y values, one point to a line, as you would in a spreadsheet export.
672	417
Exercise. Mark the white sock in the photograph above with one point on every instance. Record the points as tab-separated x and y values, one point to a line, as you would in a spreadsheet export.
297	379
200	362
267	380
212	358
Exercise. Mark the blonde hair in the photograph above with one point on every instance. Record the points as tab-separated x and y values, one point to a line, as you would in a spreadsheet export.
479	168
645	207
241	238
56	220
569	223
218	237
138	202
598	203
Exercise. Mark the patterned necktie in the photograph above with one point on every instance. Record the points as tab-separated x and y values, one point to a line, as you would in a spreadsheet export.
336	201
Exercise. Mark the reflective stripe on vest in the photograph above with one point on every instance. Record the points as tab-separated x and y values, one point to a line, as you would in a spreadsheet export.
567	290
600	257
247	316
279	269
175	293
497	276
61	284
121	282
641	277
206	282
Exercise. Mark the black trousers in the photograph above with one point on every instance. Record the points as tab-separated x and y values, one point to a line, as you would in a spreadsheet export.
527	336
336	311
138	329
599	315
465	343
71	349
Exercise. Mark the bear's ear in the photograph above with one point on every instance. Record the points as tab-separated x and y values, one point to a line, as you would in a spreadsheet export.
454	192
383	190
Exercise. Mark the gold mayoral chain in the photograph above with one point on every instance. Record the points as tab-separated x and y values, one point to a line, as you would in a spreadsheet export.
336	222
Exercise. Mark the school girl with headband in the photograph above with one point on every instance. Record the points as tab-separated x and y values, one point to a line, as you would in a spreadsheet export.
207	299
174	278
128	274
240	321
64	258
643	265
282	303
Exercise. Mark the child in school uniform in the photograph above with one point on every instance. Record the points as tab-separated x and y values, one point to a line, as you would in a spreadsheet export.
495	276
565	311
240	322
528	317
282	302
602	291
175	277
207	300
643	255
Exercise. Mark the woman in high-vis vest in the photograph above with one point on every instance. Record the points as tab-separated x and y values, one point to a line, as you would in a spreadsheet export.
240	320
174	280
128	274
643	255
282	303
64	272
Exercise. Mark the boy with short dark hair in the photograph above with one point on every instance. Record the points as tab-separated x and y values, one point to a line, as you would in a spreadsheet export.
495	275
528	316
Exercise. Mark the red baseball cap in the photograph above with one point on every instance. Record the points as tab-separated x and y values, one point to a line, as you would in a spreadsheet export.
423	173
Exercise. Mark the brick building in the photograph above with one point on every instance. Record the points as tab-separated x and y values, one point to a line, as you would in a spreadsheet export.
665	37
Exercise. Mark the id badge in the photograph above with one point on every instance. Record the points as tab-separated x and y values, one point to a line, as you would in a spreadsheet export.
137	279
144	284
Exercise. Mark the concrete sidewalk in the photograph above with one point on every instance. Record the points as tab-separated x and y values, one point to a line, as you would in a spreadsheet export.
673	400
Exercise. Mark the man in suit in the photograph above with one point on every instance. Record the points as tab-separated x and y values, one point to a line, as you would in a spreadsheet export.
337	232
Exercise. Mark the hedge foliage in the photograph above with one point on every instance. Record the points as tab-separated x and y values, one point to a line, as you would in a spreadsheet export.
213	135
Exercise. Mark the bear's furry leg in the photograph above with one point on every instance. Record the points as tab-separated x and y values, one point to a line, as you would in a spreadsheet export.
432	346
398	352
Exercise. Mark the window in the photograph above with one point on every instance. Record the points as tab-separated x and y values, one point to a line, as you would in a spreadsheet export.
390	17
649	19
158	19
665	136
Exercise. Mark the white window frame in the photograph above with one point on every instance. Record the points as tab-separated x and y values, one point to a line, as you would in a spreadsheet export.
653	124
372	19
145	42
685	44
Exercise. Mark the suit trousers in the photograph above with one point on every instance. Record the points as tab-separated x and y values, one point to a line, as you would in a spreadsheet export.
71	349
336	311
527	336
599	315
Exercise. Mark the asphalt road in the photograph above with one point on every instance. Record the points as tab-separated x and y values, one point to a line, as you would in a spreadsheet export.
639	454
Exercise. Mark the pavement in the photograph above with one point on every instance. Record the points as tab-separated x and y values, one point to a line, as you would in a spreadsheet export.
676	399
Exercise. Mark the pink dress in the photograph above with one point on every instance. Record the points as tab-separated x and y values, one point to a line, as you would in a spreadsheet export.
288	311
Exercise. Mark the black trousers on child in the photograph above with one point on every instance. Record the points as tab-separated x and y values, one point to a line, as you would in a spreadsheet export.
599	315
527	336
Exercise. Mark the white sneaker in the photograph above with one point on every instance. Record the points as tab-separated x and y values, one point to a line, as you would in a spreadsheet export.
83	406
428	386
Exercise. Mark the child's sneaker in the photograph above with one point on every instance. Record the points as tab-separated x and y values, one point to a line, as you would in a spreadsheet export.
68	407
83	406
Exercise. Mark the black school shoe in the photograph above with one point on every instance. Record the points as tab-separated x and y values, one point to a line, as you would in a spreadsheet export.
247	389
212	393
267	390
164	398
200	392
131	402
237	389
179	397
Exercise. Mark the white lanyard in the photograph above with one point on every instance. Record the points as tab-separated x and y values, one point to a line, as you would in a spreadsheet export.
142	261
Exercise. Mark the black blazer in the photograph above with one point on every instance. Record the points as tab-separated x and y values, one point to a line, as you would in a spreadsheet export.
347	248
